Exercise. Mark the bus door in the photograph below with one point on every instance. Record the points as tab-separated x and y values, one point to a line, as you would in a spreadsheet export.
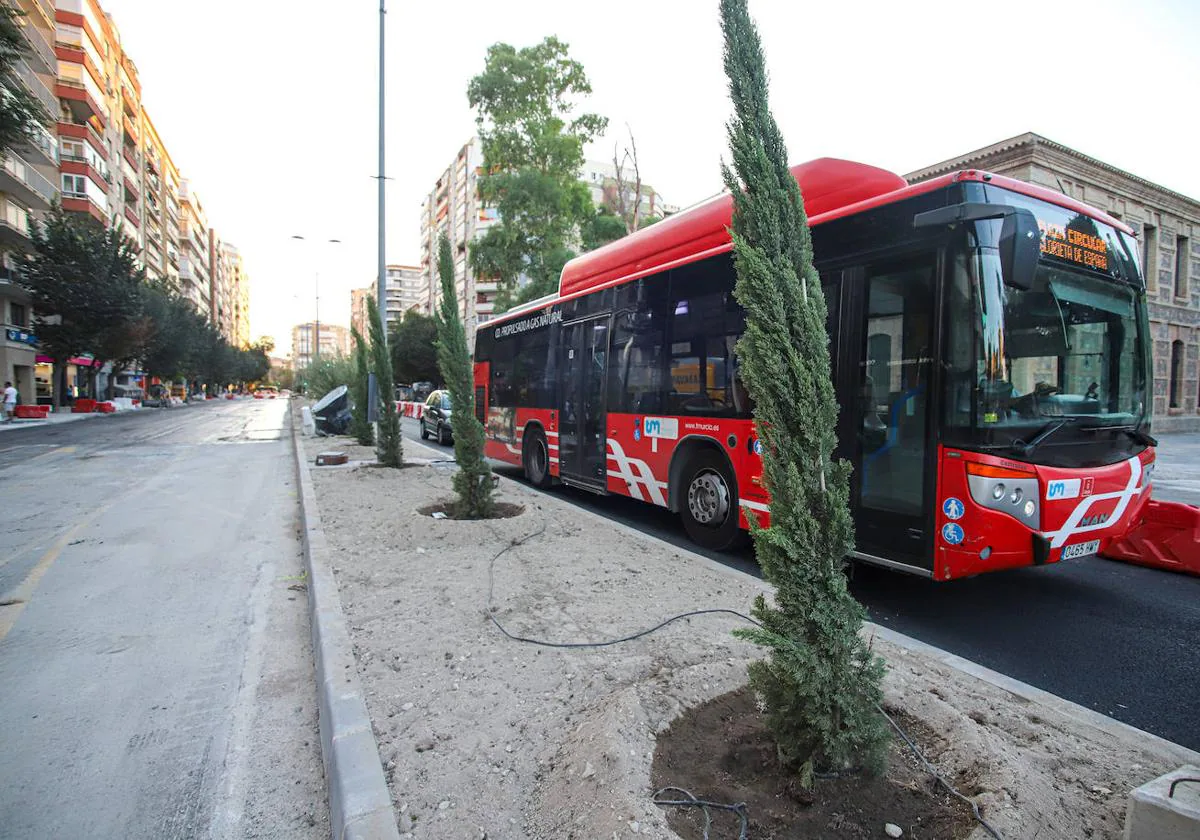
890	409
582	423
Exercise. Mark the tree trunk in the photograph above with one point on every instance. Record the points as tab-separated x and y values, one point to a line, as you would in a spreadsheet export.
58	385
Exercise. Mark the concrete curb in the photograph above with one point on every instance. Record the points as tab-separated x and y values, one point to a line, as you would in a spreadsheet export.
360	806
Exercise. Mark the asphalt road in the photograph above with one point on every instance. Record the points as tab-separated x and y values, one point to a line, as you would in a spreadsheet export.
1116	638
157	679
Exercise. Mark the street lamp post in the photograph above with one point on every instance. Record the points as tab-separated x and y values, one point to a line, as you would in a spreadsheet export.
316	348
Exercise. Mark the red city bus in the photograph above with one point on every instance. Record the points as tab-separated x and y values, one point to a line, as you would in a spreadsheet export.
990	352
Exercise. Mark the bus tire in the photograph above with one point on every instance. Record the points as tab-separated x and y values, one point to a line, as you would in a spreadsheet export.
708	501
535	458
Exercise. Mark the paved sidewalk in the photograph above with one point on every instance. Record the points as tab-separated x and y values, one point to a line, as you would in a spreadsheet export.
55	418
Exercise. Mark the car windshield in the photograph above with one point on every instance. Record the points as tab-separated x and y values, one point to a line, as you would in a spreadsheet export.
1072	349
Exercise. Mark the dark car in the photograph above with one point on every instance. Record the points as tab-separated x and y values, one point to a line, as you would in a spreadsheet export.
436	419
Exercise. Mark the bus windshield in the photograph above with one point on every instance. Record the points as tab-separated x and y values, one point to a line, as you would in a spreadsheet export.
1067	356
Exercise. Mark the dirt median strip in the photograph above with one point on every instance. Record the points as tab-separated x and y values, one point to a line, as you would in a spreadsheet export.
482	736
359	803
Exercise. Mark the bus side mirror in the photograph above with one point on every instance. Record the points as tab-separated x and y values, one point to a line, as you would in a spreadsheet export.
1020	242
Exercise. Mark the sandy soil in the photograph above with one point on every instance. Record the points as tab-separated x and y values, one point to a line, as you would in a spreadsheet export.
482	736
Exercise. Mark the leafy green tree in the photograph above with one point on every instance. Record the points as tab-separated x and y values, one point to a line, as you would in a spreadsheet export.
532	149
360	427
414	357
21	113
388	447
325	374
820	683
473	481
85	285
604	227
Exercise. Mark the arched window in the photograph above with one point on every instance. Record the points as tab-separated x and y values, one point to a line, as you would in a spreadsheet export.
1176	373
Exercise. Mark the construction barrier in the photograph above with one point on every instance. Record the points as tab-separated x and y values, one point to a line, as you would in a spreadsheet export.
31	412
106	407
410	409
1166	536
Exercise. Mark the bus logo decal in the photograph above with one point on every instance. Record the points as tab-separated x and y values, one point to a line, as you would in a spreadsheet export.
1063	488
661	427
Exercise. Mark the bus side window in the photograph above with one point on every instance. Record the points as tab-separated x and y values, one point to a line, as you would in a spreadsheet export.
706	322
638	358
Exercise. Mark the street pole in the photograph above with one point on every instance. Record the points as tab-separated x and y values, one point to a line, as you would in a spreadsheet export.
381	278
317	315
381	291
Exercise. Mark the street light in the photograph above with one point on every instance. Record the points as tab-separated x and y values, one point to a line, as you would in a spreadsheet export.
316	349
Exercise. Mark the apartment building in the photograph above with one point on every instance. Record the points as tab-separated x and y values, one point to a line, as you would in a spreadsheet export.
195	260
115	165
238	296
1167	225
358	309
453	209
27	188
602	182
335	341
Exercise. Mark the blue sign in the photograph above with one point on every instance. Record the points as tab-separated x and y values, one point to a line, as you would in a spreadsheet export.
952	533
757	447
21	336
953	508
637	433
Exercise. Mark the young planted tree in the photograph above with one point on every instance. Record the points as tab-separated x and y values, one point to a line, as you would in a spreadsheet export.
388	447
473	481
820	682
533	151
360	427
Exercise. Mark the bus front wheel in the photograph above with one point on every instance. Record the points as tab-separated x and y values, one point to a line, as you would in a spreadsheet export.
536	457
709	501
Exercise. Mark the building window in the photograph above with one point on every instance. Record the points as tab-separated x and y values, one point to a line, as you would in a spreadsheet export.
1182	266
17	315
1176	373
1150	256
75	185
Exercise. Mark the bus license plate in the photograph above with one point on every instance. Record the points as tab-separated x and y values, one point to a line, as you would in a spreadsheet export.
1070	552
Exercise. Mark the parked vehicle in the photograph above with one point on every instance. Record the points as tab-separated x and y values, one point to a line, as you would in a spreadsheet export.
157	396
437	417
405	393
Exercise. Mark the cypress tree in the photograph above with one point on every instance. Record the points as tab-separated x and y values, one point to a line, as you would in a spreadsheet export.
387	444
360	427
473	481
820	682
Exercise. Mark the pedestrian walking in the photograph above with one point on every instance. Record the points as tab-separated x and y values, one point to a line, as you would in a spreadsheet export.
10	401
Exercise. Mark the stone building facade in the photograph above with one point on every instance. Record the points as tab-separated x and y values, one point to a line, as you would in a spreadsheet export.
1167	225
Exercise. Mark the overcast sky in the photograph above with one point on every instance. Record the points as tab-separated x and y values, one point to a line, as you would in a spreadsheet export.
270	108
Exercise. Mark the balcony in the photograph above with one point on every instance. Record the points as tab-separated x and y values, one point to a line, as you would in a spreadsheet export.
40	44
36	86
43	144
84	204
26	183
130	154
173	259
80	102
131	215
129	134
14	225
486	287
83	131
72	165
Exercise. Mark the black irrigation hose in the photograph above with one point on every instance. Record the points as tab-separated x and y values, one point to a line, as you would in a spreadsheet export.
575	645
934	772
739	808
704	805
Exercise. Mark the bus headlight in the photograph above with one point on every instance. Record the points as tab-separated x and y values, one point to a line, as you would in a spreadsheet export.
1010	491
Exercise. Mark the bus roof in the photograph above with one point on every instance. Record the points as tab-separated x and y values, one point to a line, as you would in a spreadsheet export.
832	189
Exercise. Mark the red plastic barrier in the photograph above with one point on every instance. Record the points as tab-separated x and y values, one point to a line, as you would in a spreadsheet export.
106	407
1166	537
31	412
83	405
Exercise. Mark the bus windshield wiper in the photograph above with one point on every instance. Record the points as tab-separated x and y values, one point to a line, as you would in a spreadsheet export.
1133	431
1047	430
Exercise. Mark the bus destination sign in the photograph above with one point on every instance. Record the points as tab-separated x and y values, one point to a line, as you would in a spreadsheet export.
1075	246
